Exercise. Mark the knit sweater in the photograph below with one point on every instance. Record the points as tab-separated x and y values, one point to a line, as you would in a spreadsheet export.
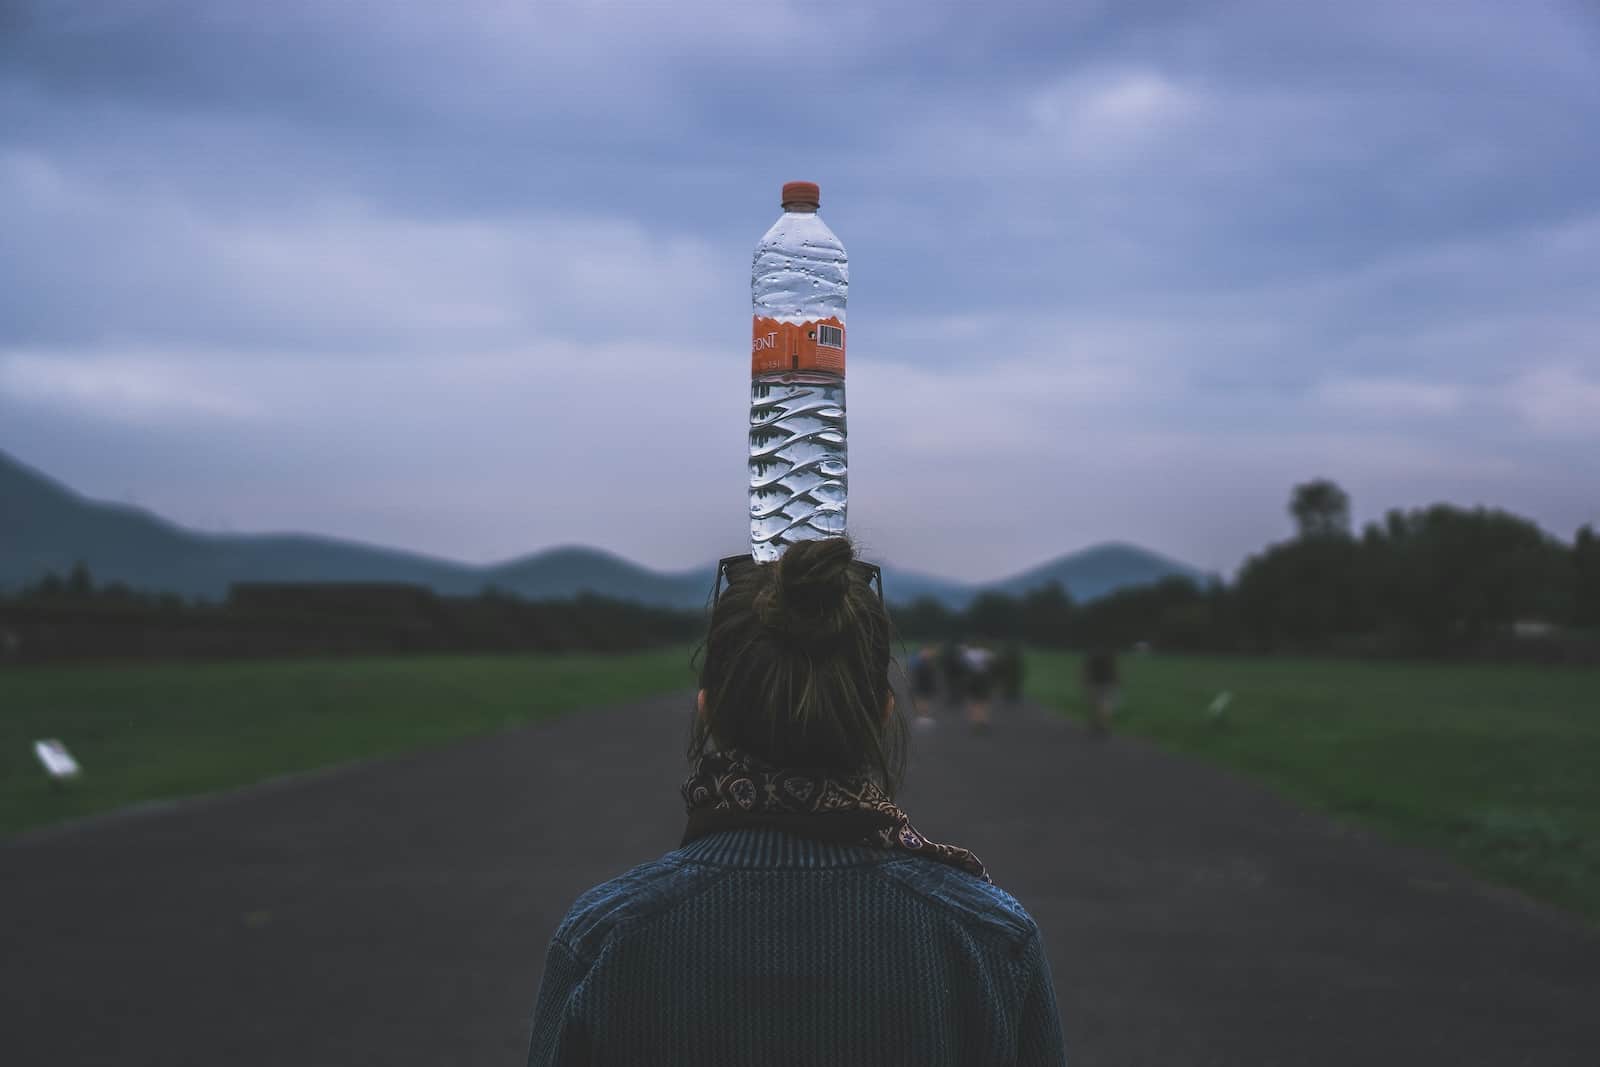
755	947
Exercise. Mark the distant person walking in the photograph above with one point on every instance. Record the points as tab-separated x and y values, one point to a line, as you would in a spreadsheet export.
924	672
802	919
955	685
977	668
1100	686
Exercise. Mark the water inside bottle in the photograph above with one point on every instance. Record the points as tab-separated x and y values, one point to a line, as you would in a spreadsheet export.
798	473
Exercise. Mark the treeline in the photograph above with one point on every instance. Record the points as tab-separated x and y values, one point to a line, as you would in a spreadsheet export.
72	617
1435	581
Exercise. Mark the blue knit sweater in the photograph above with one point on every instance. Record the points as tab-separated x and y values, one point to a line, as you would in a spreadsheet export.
755	947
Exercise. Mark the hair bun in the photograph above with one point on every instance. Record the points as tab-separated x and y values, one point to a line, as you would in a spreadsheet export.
808	600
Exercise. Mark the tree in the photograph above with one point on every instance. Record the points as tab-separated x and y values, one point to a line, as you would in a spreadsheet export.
80	583
47	588
1320	509
1046	616
993	615
1305	591
1142	613
923	618
1316	587
1586	589
1454	574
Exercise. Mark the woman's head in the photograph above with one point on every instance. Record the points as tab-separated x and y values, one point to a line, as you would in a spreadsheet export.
796	666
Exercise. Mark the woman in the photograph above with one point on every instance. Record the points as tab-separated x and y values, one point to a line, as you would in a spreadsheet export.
802	920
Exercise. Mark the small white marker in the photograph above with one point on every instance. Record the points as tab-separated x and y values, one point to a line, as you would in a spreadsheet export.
1220	704
56	759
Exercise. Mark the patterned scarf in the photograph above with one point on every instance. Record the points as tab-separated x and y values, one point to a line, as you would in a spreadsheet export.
733	790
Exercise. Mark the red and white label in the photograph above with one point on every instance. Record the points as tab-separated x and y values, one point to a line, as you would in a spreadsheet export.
782	346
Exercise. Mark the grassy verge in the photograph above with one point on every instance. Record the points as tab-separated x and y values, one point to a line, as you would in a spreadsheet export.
1497	765
148	732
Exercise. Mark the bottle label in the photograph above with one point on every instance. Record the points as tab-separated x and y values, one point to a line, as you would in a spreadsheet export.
780	346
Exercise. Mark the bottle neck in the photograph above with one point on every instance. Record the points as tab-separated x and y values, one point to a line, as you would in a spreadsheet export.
798	207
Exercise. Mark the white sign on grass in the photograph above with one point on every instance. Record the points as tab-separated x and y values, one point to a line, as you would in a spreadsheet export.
56	759
1220	705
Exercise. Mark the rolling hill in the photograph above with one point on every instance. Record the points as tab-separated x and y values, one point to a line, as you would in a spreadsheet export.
1094	572
44	527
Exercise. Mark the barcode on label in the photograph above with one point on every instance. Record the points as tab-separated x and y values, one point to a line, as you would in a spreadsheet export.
829	336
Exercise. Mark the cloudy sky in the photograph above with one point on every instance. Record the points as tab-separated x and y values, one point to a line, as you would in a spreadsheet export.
473	278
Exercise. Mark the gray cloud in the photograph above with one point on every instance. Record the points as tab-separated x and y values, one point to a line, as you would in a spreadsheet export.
1147	256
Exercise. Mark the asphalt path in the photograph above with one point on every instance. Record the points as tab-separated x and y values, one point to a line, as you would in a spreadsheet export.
396	912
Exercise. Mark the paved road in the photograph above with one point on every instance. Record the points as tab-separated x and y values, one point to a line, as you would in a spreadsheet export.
396	913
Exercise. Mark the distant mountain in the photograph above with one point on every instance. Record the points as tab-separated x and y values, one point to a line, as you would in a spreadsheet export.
1094	572
45	527
561	572
902	587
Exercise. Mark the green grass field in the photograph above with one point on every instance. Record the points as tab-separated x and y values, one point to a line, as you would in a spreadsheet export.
149	732
1497	765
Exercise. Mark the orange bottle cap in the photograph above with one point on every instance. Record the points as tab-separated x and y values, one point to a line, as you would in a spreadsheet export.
801	193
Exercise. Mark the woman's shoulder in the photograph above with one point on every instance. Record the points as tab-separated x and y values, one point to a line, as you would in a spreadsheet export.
979	905
637	893
610	908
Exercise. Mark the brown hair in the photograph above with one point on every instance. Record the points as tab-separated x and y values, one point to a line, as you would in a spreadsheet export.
795	666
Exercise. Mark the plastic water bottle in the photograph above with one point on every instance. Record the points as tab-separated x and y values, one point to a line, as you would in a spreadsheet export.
798	468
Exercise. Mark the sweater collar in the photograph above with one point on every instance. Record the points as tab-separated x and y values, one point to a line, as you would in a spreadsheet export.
763	848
